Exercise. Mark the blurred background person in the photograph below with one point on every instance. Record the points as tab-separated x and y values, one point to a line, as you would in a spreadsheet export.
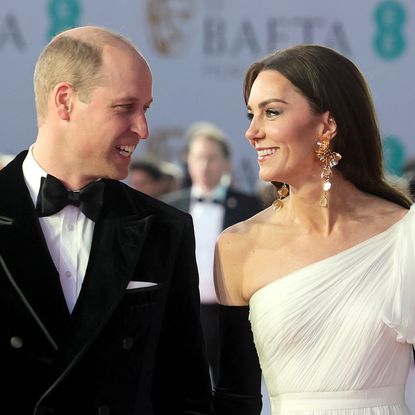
154	178
173	176
214	205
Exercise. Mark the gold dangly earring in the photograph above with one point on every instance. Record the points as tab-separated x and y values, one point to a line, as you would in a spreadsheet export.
282	193
329	160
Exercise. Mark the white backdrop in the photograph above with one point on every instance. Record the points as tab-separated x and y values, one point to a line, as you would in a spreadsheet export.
199	51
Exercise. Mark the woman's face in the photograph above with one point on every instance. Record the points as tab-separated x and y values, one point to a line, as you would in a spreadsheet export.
283	130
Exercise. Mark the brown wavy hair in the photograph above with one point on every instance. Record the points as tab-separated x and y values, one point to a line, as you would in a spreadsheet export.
331	82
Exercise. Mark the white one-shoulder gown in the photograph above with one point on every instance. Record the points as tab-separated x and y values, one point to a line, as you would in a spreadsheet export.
336	336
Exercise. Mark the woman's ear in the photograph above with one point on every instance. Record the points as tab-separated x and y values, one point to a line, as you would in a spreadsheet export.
330	125
62	100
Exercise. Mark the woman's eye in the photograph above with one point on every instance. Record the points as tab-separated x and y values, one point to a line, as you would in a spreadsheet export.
272	113
249	115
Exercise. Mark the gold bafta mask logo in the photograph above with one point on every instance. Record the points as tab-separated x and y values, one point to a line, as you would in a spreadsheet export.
169	23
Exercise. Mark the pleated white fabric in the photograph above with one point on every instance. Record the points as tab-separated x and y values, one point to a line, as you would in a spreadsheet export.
335	337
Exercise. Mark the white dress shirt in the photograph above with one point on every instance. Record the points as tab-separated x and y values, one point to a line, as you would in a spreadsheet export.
208	223
68	235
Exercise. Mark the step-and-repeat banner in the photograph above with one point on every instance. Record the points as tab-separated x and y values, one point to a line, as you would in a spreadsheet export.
199	51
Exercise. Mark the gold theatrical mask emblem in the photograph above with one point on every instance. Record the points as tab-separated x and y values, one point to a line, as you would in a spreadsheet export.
169	23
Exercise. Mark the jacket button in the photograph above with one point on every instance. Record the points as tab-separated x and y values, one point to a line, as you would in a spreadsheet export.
127	343
16	342
104	410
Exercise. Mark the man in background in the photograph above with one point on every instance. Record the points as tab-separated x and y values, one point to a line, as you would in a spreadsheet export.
99	302
214	205
154	178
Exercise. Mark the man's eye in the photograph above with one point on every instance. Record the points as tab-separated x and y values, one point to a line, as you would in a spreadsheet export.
124	107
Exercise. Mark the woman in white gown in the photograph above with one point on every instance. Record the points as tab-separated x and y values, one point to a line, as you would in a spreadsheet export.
328	272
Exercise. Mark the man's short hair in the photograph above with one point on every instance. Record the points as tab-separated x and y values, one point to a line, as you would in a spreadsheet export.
76	59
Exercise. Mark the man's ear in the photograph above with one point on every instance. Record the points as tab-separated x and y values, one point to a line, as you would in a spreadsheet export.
63	96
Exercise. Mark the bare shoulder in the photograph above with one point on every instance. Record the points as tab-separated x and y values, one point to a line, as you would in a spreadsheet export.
233	247
382	213
236	234
237	240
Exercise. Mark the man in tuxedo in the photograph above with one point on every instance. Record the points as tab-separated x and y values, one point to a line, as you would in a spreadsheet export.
214	205
99	301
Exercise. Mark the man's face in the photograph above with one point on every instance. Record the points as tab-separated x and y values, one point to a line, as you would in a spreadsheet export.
206	163
106	129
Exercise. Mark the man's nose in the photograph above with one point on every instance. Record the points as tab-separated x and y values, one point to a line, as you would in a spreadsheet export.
140	126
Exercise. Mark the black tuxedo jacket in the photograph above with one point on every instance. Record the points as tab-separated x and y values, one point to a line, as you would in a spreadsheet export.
238	206
121	351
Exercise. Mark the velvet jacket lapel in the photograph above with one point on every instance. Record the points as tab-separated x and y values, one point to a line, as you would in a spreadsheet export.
119	236
26	253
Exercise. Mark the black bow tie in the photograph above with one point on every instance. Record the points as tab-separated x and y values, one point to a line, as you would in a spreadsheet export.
53	197
207	200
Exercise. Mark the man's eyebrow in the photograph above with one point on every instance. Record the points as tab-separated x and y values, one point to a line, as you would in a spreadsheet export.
130	99
125	99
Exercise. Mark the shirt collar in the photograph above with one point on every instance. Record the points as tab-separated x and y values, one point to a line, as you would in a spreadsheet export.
32	173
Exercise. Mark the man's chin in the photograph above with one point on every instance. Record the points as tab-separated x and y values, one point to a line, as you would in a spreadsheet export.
119	174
